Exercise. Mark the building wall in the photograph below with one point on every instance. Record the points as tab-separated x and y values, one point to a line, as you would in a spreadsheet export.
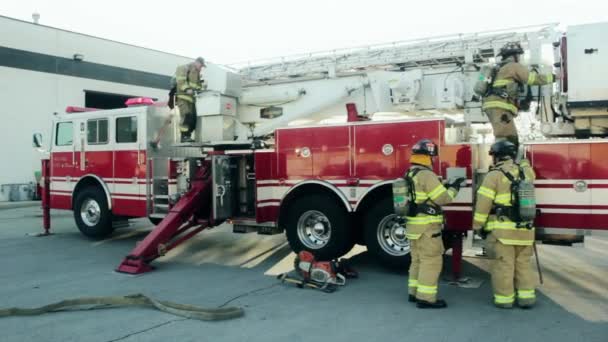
39	77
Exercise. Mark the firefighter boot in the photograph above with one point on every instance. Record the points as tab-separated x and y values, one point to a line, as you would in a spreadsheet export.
525	303
438	304
186	137
411	298
503	305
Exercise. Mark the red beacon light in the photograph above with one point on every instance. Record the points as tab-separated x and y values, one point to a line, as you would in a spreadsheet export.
76	109
139	101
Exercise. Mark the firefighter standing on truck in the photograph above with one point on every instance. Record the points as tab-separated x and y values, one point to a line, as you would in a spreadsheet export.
188	83
501	102
509	243
424	224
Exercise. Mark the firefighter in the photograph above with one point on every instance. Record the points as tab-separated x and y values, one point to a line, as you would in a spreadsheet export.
424	222
188	83
501	104
509	243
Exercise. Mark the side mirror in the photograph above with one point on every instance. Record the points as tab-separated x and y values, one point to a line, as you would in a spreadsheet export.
37	140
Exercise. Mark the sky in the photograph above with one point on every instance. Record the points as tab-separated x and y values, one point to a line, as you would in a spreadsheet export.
231	31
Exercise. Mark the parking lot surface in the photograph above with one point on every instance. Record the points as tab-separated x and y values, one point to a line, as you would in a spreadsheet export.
221	268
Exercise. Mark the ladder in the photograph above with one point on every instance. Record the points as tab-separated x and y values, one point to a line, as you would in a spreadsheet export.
189	216
402	55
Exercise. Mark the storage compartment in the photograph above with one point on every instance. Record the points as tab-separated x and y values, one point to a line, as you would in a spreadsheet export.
587	51
233	187
216	117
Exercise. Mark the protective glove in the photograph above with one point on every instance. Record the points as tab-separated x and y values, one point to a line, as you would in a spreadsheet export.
456	183
481	233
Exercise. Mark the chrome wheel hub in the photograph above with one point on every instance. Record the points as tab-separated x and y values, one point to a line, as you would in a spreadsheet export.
391	236
90	212
314	229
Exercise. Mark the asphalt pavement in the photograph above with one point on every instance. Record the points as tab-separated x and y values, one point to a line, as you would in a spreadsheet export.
221	268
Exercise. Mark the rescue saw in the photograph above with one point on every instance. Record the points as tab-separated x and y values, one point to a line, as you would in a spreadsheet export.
321	275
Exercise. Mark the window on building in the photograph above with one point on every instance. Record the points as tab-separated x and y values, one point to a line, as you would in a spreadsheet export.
97	131
64	135
126	129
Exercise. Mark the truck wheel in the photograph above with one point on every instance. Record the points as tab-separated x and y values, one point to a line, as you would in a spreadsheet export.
91	213
385	237
155	220
320	225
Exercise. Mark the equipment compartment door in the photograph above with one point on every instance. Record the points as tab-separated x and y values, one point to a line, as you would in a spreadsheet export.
223	183
599	186
562	184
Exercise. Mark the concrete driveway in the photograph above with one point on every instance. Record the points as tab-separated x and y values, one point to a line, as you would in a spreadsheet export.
220	268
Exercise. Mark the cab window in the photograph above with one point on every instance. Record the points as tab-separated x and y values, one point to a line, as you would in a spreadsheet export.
126	129
97	131
64	134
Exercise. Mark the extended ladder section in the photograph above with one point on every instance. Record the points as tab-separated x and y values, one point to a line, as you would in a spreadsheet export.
403	55
189	216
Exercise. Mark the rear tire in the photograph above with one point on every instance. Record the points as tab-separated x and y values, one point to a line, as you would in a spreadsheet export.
320	225
385	238
91	213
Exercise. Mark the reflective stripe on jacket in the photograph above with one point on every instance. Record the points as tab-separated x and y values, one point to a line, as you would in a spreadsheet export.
427	188
509	77
187	77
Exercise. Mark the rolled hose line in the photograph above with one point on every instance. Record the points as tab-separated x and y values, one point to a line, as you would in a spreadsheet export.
182	310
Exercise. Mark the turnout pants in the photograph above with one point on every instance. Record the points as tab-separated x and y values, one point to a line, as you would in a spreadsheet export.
187	114
427	261
503	124
511	270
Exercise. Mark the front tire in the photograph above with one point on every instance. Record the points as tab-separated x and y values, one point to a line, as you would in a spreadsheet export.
320	225
385	237
91	213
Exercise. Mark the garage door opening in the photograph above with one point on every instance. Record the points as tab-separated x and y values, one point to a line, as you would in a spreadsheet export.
101	100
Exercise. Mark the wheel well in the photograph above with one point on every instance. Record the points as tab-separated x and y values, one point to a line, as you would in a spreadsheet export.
91	181
303	190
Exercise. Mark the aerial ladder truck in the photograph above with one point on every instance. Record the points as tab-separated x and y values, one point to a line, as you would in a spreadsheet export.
309	145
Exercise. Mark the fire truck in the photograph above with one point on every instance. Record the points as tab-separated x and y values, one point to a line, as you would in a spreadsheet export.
309	146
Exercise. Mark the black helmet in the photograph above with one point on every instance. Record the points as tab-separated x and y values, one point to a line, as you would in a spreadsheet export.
503	149
511	49
426	146
201	60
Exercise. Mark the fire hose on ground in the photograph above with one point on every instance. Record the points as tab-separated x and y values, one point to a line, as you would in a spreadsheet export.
182	310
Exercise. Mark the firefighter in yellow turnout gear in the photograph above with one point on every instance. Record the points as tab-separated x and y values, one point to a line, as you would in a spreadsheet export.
188	83
509	243
424	223
501	103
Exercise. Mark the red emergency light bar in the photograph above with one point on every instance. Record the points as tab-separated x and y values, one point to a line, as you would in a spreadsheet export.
139	101
75	109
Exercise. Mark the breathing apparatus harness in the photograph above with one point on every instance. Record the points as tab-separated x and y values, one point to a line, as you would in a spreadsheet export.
426	207
522	210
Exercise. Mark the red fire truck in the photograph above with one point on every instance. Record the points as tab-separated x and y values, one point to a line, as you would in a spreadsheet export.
328	185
